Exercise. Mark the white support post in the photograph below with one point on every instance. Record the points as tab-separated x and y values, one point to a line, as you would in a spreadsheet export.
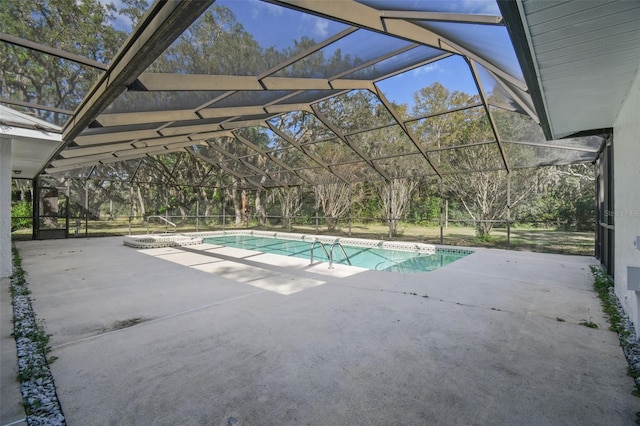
5	207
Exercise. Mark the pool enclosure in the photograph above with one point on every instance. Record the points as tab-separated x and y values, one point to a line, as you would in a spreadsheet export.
264	95
386	92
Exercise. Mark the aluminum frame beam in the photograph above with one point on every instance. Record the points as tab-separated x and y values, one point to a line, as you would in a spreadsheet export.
302	149
405	129
346	141
244	163
492	121
35	106
443	17
144	117
224	168
166	82
260	151
48	50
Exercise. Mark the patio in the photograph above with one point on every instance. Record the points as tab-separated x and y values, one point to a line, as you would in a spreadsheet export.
153	337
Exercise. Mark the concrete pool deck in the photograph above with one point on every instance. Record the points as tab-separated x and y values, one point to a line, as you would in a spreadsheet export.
217	336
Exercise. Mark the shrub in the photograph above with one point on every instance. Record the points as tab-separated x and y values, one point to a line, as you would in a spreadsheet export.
21	215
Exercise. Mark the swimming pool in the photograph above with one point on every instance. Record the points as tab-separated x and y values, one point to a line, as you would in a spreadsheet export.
376	258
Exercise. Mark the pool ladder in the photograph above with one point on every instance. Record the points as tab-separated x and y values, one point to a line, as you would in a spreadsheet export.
329	253
166	221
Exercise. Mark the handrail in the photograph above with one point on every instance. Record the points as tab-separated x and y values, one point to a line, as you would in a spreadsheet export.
162	218
331	254
313	245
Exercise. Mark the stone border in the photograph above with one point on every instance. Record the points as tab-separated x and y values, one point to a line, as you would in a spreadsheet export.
628	342
37	386
191	238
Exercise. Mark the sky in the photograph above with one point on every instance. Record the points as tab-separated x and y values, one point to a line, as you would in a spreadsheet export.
278	26
121	23
453	73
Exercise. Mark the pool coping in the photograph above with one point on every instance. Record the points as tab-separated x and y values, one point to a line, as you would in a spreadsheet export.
148	241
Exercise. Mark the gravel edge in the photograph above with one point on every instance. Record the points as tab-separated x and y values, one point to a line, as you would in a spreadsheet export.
630	346
39	397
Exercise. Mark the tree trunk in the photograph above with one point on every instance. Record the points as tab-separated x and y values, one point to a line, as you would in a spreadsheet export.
392	227
143	211
245	217
483	229
290	204
184	212
395	196
260	211
334	198
237	207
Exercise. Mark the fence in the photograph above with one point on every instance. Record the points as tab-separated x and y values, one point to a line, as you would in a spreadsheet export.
548	236
97	208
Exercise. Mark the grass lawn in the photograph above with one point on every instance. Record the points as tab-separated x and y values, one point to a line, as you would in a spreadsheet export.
547	240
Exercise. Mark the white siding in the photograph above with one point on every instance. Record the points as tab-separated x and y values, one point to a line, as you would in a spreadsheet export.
626	163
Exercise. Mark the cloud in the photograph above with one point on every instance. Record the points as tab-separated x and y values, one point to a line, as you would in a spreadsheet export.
259	9
320	28
315	26
426	69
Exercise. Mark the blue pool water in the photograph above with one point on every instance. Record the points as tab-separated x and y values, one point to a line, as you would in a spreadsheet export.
371	258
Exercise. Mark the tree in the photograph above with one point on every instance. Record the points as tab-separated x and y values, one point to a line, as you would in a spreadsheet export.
290	203
463	147
395	196
565	196
450	129
484	194
133	10
335	199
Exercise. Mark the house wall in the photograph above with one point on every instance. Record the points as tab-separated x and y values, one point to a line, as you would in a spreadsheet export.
626	160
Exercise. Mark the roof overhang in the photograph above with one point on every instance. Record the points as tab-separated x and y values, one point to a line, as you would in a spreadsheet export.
579	59
34	141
